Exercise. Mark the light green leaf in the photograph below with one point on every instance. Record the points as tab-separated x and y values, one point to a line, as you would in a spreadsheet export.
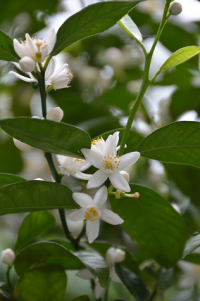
7	178
153	222
191	245
7	52
178	142
134	284
130	28
33	196
90	21
43	283
179	57
50	136
34	225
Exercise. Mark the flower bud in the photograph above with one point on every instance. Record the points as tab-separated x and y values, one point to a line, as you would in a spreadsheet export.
55	114
176	8
74	227
27	64
7	256
125	175
22	146
119	255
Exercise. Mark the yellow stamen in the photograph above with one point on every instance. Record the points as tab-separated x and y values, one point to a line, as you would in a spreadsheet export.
91	214
97	140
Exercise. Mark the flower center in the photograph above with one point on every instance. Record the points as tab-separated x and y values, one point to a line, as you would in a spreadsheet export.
111	162
79	160
91	214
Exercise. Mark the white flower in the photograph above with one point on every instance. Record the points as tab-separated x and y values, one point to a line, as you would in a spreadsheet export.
58	79
22	146
103	155
114	255
92	212
55	114
8	256
27	64
73	166
36	49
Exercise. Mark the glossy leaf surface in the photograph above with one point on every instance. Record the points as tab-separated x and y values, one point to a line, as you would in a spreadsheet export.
43	283
179	57
152	221
7	52
178	142
34	195
47	135
191	245
134	284
130	28
34	225
90	21
6	179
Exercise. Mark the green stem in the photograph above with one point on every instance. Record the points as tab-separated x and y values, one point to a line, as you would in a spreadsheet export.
146	81
8	278
41	82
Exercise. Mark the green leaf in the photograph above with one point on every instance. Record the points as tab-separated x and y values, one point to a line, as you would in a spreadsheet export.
193	258
130	28
90	21
134	284
7	52
81	298
179	57
34	225
51	253
191	245
50	136
153	222
35	195
6	179
43	283
178	142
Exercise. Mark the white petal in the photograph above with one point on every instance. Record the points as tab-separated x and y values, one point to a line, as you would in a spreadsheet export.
110	147
74	227
22	146
64	171
26	79
55	114
101	196
110	256
19	48
59	84
50	39
27	64
97	179
94	156
85	166
111	217
114	276
50	68
85	274
92	230
60	159
77	215
30	46
82	199
116	137
98	290
118	181
81	175
128	160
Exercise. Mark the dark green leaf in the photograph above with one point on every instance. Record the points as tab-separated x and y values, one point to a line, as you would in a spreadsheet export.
179	57
81	298
6	179
153	222
34	225
178	142
191	245
166	278
34	195
193	258
90	21
7	52
12	160
43	283
50	136
134	284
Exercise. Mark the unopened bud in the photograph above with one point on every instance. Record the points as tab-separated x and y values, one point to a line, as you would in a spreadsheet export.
27	64
55	114
74	227
22	146
119	255
114	255
125	175
7	256
176	8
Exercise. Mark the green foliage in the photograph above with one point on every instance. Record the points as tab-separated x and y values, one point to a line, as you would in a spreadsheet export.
50	136
43	283
177	142
134	284
151	220
179	57
7	52
193	258
6	179
34	195
81	298
12	160
192	244
34	225
130	28
90	21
